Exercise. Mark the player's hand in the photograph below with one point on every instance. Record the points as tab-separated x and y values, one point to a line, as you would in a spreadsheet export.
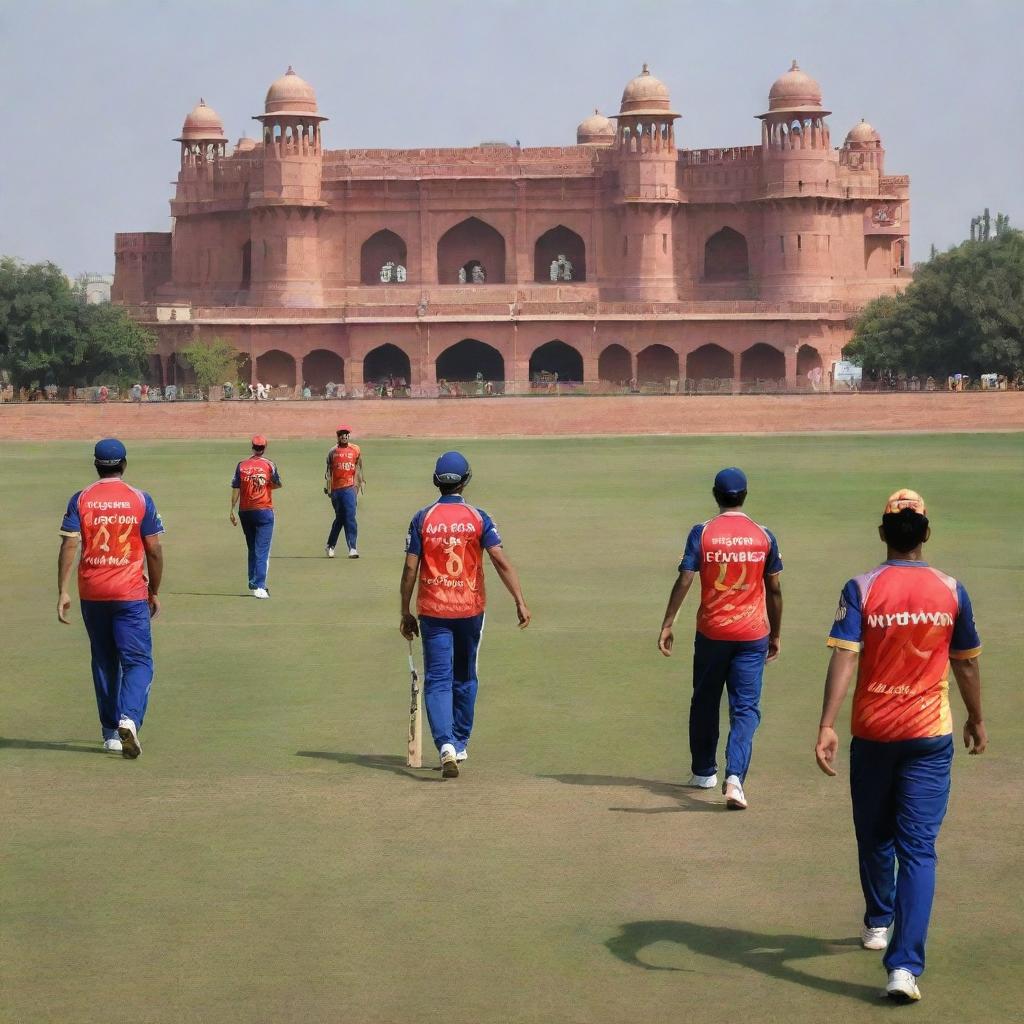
774	647
666	640
826	749
326	491
523	613
233	519
409	627
154	606
63	607
975	737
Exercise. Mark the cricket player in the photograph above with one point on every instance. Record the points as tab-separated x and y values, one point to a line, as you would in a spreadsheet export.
444	549
118	529
739	622
344	480
255	480
897	627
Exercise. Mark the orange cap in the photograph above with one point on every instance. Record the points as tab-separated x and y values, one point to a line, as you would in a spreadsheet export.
259	441
905	498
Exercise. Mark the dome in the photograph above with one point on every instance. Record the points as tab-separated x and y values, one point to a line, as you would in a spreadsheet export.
646	94
245	145
596	130
290	95
862	135
203	124
794	91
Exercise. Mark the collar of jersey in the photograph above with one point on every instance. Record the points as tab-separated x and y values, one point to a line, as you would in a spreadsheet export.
905	561
450	499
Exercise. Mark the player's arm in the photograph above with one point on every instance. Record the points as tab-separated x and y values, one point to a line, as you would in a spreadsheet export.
773	605
409	627
275	477
327	475
154	570
235	494
680	589
841	669
967	672
360	475
508	575
65	566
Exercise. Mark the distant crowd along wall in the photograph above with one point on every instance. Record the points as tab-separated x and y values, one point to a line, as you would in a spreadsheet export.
519	417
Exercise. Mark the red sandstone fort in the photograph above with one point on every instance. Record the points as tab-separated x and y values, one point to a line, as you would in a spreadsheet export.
621	258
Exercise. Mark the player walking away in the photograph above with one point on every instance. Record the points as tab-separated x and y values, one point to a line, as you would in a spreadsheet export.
905	621
738	629
118	528
445	550
255	480
344	481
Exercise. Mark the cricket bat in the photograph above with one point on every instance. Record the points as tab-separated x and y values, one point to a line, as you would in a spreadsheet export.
415	758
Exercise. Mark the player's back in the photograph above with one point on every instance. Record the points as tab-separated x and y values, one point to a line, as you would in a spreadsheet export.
254	478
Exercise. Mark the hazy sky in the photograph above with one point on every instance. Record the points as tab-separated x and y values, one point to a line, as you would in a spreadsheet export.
94	92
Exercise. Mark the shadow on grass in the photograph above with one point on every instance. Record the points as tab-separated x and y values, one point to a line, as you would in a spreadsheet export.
381	762
685	800
764	953
69	746
204	593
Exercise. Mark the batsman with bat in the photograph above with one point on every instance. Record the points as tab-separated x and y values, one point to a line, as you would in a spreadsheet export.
444	551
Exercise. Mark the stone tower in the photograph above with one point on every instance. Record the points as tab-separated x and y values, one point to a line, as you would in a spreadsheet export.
286	210
647	193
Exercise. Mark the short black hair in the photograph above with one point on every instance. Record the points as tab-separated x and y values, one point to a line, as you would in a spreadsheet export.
451	488
904	530
729	499
104	471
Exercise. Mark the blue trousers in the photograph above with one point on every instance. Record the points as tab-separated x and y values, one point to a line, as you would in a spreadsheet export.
450	648
258	527
738	666
900	791
344	502
122	660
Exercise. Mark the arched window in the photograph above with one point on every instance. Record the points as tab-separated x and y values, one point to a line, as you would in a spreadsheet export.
560	255
762	362
465	359
725	257
557	360
386	362
656	364
276	368
467	243
380	258
321	367
614	365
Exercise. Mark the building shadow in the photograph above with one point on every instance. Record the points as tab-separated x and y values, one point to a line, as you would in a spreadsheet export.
767	954
380	762
70	746
684	798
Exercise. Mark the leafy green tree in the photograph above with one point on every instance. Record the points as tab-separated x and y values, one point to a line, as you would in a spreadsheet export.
962	313
214	361
48	335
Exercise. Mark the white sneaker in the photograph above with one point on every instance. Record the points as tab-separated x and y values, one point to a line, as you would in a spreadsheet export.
902	987
449	762
703	781
352	553
330	552
735	798
461	755
130	746
261	593
874	938
114	743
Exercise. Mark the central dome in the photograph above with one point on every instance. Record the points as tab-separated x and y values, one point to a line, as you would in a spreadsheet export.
795	91
291	94
646	94
596	130
862	135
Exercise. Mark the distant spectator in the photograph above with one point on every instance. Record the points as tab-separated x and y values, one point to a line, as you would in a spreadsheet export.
229	389
104	394
929	384
171	392
329	389
145	392
306	392
51	392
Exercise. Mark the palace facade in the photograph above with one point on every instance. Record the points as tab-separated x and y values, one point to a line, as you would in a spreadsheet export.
623	257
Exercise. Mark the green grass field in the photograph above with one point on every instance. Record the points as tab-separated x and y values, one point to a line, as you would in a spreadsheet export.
270	858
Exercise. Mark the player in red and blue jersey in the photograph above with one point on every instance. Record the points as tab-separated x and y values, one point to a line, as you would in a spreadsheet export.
444	553
118	529
252	490
897	628
343	482
739	622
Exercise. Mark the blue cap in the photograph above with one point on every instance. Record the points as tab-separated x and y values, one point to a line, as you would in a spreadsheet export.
451	468
731	480
109	452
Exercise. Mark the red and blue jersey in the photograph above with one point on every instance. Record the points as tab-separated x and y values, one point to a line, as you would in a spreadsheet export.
907	620
255	480
112	518
450	538
342	462
732	555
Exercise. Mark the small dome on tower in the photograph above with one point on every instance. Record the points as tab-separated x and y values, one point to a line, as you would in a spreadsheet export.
794	91
863	136
596	130
203	124
245	145
290	94
646	94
